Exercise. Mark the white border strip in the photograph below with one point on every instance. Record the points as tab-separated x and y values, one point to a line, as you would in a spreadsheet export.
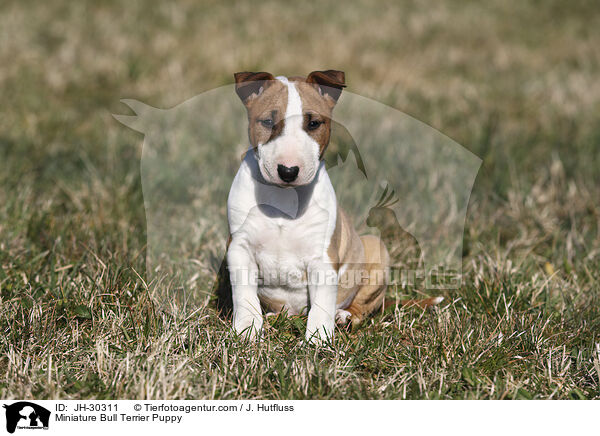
126	417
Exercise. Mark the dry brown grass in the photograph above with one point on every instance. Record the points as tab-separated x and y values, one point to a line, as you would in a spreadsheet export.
514	82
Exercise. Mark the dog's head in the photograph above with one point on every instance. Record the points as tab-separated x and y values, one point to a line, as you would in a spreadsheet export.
289	122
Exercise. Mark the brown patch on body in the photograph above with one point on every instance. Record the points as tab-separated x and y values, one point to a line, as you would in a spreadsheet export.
362	285
347	250
345	246
374	272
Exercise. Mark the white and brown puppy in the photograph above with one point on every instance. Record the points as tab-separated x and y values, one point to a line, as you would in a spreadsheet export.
291	247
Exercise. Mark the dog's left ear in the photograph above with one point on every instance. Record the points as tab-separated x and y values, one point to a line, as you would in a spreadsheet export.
329	83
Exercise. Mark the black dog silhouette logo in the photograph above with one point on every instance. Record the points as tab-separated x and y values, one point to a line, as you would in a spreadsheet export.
26	415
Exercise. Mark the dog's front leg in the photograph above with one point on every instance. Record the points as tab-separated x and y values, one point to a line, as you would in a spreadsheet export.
243	271
322	289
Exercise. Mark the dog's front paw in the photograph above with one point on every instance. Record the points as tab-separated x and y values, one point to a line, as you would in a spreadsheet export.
321	335
249	328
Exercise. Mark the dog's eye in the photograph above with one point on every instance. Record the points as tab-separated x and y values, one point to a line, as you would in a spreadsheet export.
268	123
314	124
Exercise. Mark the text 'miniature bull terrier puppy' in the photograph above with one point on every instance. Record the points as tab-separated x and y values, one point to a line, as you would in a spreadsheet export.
291	247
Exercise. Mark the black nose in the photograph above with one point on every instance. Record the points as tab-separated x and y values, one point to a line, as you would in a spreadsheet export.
287	174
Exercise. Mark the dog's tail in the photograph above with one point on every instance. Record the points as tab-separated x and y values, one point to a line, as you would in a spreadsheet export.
423	303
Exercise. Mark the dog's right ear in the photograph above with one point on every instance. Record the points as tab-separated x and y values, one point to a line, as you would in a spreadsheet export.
250	85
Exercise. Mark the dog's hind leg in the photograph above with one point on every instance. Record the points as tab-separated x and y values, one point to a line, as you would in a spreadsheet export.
371	294
342	317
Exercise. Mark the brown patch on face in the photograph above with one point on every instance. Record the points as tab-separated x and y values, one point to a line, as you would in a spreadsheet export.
266	114
319	93
265	99
317	114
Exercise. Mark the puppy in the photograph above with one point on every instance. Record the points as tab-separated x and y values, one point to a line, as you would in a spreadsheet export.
291	247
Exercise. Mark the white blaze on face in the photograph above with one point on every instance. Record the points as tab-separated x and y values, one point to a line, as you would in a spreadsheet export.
293	147
293	112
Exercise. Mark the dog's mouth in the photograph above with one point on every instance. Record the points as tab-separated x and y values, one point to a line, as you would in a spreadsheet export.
295	184
274	174
286	185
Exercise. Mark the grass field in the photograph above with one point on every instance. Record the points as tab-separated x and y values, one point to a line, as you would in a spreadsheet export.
514	82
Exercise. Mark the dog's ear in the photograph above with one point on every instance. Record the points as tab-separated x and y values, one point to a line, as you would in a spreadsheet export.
250	85
329	83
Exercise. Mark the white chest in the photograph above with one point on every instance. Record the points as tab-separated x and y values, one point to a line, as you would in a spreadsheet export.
283	247
283	230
